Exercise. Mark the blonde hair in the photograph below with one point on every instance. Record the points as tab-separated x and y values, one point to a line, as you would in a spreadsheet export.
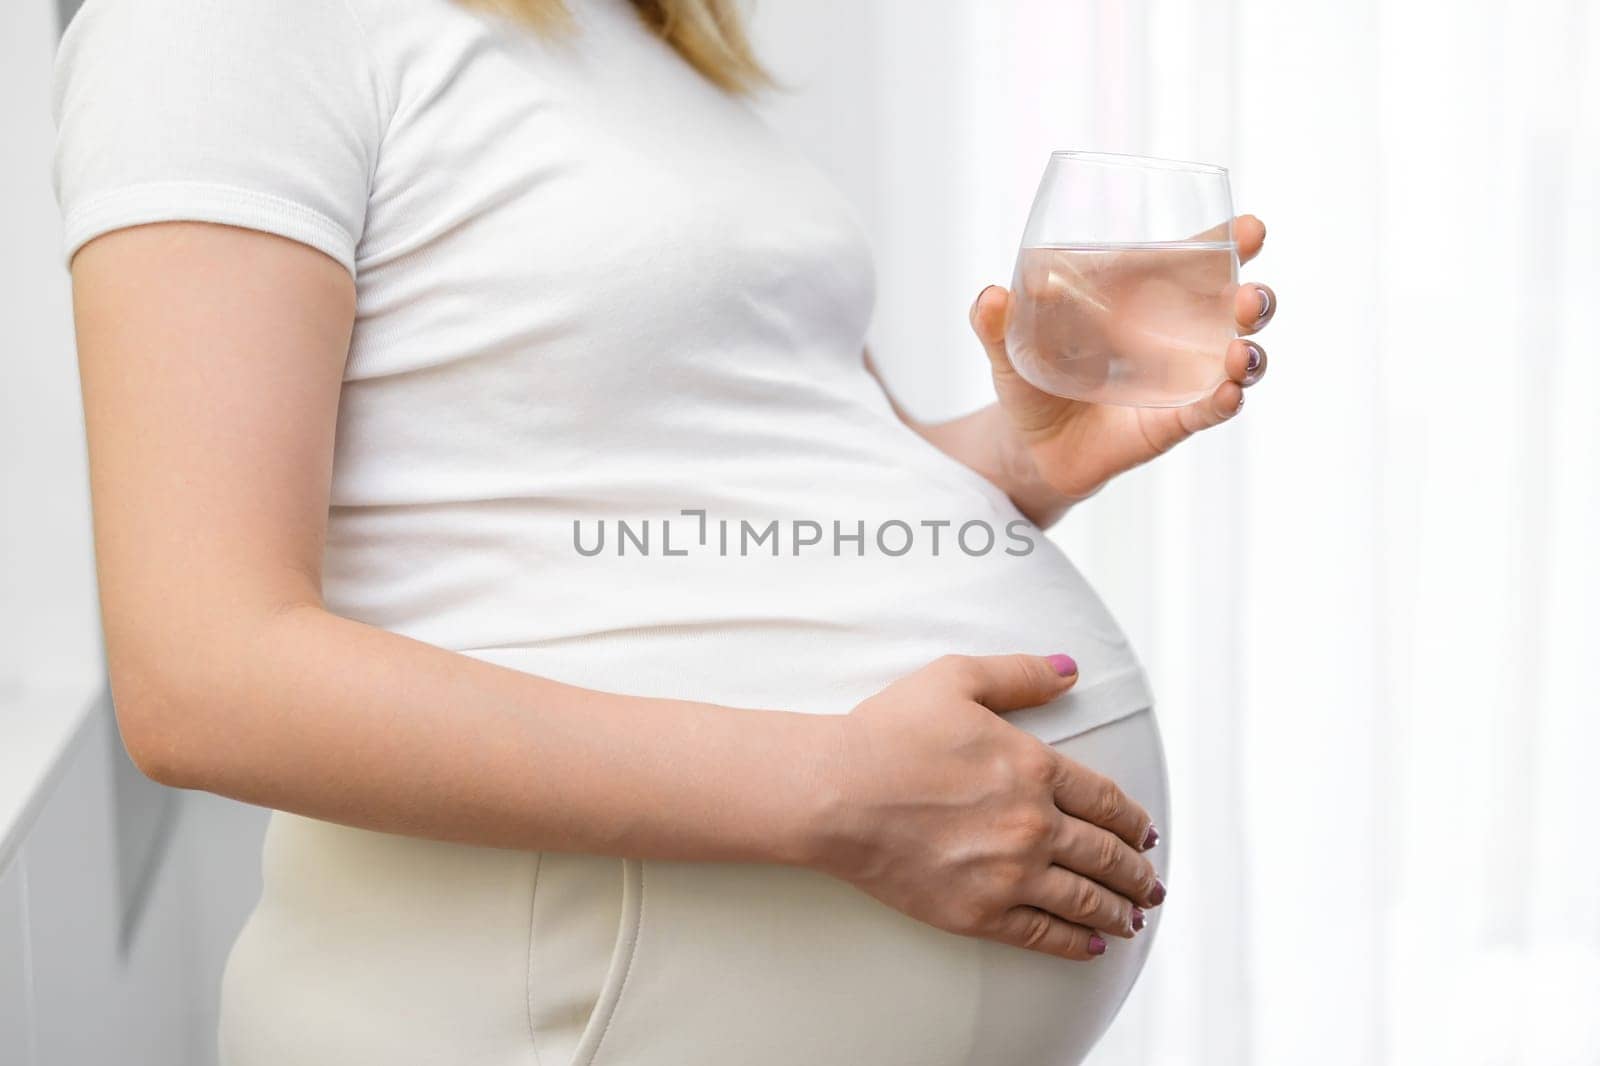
709	34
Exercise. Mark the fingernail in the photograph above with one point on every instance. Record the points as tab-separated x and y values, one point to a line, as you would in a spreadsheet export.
1138	919
1063	665
1240	404
1097	945
984	292
1265	296
1151	838
1252	364
1158	893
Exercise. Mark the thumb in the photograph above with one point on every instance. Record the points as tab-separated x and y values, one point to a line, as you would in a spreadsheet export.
1012	682
988	317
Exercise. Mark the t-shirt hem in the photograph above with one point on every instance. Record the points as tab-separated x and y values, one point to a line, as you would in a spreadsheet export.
1087	706
199	201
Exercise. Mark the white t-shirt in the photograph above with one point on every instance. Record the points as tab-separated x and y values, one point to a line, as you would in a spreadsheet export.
593	292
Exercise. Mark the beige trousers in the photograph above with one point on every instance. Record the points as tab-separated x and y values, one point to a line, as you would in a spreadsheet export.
376	949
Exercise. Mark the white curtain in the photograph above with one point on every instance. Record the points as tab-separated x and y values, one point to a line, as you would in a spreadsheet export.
1371	604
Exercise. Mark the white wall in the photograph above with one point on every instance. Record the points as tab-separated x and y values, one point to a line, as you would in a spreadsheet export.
97	968
48	628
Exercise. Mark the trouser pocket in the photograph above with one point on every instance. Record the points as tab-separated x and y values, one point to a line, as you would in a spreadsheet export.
727	965
579	908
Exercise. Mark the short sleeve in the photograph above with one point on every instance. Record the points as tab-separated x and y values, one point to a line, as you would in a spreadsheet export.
264	114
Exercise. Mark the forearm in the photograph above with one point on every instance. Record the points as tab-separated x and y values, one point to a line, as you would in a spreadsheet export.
315	714
985	441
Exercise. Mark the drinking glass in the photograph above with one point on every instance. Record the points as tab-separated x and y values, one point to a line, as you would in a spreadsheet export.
1124	284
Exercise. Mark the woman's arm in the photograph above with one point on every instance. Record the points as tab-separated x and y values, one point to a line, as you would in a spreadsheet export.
986	441
211	363
988	444
212	360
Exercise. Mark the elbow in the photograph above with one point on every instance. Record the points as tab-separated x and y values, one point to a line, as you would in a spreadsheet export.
155	758
183	703
158	729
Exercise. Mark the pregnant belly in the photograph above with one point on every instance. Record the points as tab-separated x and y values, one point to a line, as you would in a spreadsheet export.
814	629
368	948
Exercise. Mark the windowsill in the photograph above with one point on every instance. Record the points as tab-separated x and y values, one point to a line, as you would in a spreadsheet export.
38	724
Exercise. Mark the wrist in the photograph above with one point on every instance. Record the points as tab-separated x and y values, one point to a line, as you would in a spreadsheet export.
1017	471
819	830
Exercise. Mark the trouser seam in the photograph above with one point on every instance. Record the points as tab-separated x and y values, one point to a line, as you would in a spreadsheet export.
533	895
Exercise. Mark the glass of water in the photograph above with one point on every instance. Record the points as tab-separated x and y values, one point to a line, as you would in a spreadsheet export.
1124	284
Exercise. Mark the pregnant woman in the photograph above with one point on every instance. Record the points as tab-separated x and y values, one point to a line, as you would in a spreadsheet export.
489	477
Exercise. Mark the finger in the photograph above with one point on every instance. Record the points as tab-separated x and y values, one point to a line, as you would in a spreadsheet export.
1096	799
1166	428
1245	363
1253	307
1031	928
1249	233
989	323
1076	899
1102	856
1011	682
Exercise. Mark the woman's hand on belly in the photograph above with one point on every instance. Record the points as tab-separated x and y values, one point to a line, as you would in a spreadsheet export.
947	813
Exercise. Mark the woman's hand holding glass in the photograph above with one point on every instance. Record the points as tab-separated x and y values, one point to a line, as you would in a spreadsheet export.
1075	446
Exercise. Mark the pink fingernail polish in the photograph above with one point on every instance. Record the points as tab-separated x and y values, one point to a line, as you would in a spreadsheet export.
1063	665
1265	296
1138	919
1253	363
1097	945
1158	893
1151	838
